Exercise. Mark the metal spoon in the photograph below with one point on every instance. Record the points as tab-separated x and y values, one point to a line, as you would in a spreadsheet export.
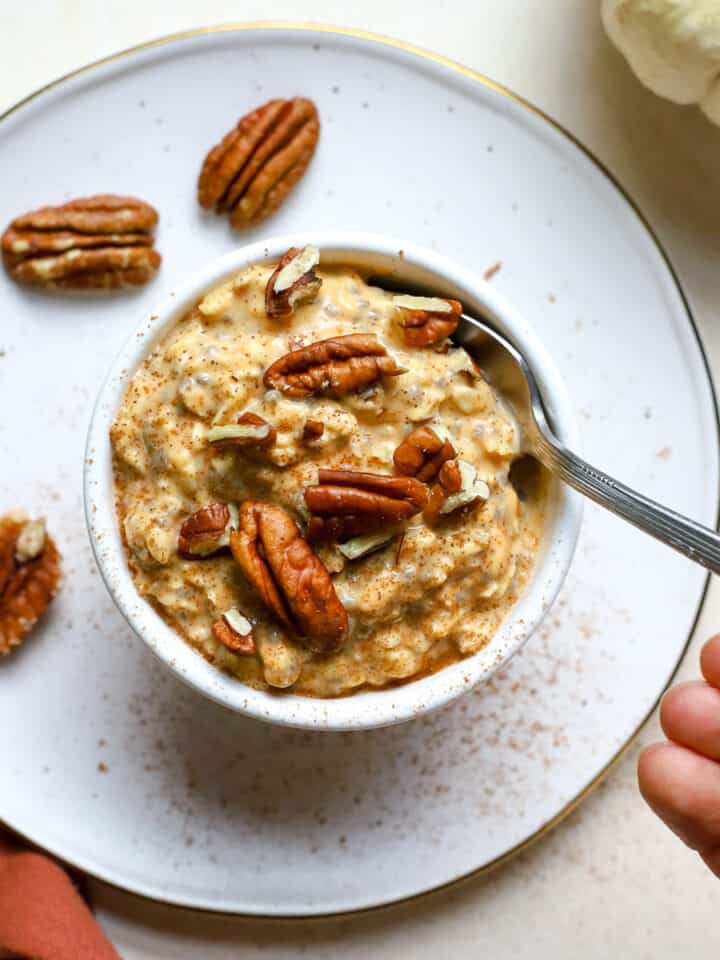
495	353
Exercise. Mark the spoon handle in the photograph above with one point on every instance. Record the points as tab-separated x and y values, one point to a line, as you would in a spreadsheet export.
692	539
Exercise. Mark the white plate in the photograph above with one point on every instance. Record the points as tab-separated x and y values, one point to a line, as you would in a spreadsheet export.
111	763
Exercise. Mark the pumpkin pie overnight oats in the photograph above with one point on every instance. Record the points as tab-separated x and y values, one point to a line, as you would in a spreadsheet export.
313	484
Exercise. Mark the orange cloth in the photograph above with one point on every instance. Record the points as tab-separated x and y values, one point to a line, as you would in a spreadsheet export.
42	916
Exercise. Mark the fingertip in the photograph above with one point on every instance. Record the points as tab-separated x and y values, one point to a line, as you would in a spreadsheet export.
710	661
674	707
683	789
690	716
651	766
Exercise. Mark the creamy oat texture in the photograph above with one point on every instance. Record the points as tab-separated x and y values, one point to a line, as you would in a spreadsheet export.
414	606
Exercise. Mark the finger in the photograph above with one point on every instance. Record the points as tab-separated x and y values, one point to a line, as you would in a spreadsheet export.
683	789
710	661
690	715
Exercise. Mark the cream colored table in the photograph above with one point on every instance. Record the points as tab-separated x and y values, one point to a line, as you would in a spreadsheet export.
610	880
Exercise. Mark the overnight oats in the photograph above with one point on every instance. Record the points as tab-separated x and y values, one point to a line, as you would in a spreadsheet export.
313	484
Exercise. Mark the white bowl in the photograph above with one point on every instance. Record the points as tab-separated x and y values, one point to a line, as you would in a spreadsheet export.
419	268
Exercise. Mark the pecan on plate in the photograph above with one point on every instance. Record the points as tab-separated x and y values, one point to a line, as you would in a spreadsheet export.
457	487
234	632
348	503
292	281
92	243
29	576
422	453
250	430
331	367
253	169
427	320
207	530
290	578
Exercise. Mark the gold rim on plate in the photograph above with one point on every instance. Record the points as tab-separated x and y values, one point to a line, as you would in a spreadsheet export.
505	92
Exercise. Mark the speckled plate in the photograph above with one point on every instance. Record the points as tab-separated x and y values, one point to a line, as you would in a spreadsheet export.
109	761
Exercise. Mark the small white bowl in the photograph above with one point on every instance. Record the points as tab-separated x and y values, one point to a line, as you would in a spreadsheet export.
417	267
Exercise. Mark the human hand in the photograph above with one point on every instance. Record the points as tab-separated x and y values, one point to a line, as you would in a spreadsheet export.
680	779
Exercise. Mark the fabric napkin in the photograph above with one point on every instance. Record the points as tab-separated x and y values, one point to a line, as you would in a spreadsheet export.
42	915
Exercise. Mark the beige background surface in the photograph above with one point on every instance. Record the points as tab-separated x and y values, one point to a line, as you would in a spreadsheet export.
610	879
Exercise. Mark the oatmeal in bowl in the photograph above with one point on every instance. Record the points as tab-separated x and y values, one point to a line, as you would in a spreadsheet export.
312	487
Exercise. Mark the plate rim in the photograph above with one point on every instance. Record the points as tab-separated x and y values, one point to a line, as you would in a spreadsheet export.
447	62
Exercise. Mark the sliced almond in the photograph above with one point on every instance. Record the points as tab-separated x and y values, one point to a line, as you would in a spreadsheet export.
238	622
428	304
238	431
361	546
248	430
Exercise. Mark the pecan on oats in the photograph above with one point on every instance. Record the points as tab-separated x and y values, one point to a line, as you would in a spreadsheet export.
290	578
293	281
427	320
91	243
347	503
313	430
448	482
252	170
332	367
29	576
234	632
422	453
457	487
250	430
207	530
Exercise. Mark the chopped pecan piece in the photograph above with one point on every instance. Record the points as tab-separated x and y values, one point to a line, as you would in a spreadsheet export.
293	281
331	367
234	631
422	453
457	487
29	577
207	530
290	578
253	169
313	430
250	430
348	503
101	242
427	320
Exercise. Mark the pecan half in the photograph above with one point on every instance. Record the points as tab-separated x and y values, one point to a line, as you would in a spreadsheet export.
457	487
347	503
313	430
292	281
207	530
29	577
290	578
234	631
422	453
331	367
427	320
256	165
101	242
250	430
